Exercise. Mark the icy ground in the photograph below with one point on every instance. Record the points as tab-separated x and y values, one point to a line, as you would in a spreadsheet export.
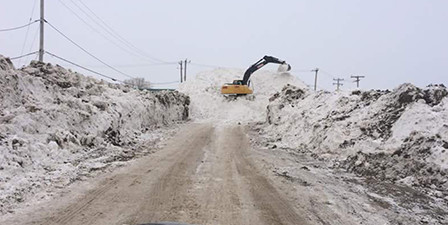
396	141
58	126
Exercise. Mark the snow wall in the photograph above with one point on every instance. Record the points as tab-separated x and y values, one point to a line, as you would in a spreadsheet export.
57	126
398	136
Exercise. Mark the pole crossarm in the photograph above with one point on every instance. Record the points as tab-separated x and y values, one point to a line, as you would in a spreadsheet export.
338	83
357	79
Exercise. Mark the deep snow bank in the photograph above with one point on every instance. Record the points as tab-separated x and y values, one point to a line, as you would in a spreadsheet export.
399	135
207	103
57	126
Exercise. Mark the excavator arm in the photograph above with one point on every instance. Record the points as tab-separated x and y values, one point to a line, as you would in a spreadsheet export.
260	63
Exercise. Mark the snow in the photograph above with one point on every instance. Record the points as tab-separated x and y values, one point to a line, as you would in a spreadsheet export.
207	103
392	135
404	131
58	126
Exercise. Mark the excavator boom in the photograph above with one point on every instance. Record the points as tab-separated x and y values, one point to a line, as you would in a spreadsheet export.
260	63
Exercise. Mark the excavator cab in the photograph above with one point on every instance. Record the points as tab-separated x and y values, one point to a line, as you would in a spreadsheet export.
238	82
241	87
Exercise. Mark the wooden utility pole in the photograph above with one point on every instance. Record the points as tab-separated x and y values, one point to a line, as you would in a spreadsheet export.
315	78
338	83
357	79
185	69
181	70
41	42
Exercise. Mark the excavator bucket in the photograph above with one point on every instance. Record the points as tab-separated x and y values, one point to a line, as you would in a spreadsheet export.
284	68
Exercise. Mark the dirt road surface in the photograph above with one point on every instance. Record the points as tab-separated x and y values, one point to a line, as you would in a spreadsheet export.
210	174
203	176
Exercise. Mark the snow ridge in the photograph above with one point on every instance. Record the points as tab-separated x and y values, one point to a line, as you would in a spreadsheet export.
399	135
58	126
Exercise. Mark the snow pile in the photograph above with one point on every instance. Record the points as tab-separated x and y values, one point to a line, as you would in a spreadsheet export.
207	102
399	135
57	126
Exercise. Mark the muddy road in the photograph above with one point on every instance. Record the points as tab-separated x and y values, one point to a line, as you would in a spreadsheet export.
203	176
221	175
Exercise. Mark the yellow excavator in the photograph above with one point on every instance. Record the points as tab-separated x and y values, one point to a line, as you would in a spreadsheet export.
241	87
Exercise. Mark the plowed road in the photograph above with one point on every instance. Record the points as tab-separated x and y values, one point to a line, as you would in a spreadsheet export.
203	176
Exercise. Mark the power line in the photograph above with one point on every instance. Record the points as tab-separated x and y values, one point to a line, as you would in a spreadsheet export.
205	65
98	73
100	33
95	30
16	28
32	43
115	34
301	71
19	57
326	73
82	67
84	50
27	30
133	65
164	83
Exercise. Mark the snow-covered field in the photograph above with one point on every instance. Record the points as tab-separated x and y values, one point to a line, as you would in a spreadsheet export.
58	126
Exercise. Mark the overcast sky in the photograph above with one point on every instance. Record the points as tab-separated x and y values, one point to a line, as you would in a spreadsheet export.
388	41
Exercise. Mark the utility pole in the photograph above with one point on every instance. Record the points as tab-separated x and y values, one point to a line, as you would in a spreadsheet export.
357	79
185	69
338	83
315	78
41	42
181	70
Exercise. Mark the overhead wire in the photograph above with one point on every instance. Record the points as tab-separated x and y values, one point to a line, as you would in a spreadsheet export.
87	52
96	31
329	75
82	67
301	70
205	65
19	57
135	65
20	27
112	32
107	65
326	73
32	43
98	73
165	83
27	30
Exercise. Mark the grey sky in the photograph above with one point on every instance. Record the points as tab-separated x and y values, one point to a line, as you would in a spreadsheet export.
388	41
